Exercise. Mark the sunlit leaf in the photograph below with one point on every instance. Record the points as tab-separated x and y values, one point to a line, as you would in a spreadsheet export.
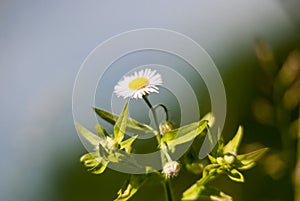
221	197
131	187
89	136
233	145
126	144
193	193
132	125
235	175
197	191
94	162
218	150
101	131
120	126
210	169
212	159
248	160
184	134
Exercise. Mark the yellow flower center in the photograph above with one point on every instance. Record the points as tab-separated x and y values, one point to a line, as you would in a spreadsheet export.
138	83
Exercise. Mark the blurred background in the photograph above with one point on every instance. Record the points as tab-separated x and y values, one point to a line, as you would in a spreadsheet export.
43	44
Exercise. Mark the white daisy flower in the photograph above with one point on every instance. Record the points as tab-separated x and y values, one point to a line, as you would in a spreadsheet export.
139	84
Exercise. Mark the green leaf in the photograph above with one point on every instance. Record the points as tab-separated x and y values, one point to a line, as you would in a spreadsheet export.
197	191
184	134
94	162
101	131
210	170
212	159
132	125
233	145
131	187
193	193
120	126
210	118
220	196
235	175
248	160
89	136
126	144
218	149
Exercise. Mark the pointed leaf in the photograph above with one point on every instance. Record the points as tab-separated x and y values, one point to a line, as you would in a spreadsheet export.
126	144
248	160
221	197
120	126
233	145
132	186
197	191
89	136
184	134
132	125
235	175
101	131
193	193
212	159
210	170
210	118
218	149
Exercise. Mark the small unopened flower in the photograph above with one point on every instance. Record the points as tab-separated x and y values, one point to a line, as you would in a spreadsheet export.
171	169
111	143
165	126
229	158
139	84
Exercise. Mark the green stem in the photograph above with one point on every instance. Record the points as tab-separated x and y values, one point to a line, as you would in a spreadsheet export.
168	190
166	182
158	136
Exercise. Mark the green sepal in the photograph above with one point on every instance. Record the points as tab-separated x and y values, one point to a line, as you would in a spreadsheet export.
131	187
184	134
235	175
120	126
233	145
212	159
210	170
89	136
126	144
132	125
247	161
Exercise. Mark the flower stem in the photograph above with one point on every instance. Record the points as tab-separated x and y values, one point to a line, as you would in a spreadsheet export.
168	190
154	115
166	182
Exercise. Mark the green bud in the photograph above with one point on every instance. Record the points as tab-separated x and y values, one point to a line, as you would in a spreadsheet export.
110	143
165	126
229	158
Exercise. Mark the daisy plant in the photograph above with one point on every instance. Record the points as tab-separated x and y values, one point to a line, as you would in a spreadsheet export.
116	148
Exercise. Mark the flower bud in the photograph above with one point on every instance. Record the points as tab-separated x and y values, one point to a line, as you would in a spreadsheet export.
171	169
111	143
229	158
165	126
